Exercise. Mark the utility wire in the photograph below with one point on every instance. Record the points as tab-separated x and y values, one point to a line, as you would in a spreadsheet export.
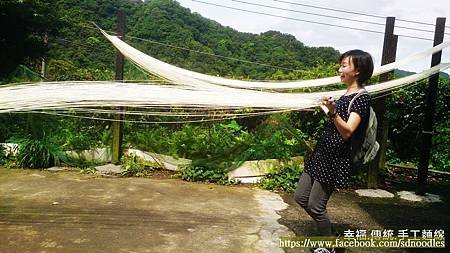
95	27
308	13
170	113
353	12
210	54
164	122
200	52
329	9
307	21
391	91
205	53
178	47
322	15
330	16
62	41
183	48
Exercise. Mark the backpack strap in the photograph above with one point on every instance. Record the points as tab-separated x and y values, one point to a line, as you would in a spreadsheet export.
361	92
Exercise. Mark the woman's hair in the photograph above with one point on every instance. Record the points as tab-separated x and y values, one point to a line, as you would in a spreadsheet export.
363	64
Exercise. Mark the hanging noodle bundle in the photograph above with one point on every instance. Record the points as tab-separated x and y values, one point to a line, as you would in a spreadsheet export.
188	89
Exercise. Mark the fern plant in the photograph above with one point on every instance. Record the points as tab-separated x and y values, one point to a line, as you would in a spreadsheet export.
38	153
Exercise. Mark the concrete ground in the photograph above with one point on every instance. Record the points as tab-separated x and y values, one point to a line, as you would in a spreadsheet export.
42	211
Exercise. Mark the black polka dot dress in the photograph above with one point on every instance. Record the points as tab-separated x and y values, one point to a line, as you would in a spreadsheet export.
330	163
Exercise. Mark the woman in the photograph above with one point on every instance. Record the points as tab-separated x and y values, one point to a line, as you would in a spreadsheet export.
329	165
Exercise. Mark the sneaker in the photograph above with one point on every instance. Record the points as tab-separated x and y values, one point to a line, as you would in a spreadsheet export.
323	250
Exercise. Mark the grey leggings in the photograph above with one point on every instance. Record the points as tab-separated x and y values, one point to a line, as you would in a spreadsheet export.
313	196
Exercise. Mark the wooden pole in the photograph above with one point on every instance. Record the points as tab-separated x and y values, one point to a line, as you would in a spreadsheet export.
427	132
379	104
44	65
117	125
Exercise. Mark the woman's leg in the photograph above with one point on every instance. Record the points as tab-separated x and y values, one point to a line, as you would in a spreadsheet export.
313	196
303	190
317	206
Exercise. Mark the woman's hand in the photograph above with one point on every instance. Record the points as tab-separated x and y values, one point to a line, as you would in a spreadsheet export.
345	128
330	104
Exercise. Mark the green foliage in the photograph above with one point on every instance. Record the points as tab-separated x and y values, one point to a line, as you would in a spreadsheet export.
85	47
38	153
136	166
152	138
82	134
132	72
214	148
197	173
64	70
12	125
20	75
440	157
212	141
358	177
218	148
80	53
189	141
24	24
275	138
166	21
67	133
407	108
84	165
311	123
61	70
282	178
2	155
320	70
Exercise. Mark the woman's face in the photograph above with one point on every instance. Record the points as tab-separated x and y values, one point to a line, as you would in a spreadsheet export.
347	71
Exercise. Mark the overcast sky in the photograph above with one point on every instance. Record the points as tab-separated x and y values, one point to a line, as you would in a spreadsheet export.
338	38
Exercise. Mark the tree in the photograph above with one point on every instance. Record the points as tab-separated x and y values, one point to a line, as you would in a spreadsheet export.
24	25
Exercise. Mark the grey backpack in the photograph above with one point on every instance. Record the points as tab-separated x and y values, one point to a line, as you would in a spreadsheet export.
364	147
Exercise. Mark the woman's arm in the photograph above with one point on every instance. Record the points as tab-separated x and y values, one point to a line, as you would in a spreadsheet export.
346	129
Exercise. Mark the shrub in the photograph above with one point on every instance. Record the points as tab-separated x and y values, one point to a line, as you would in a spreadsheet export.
38	153
282	178
136	166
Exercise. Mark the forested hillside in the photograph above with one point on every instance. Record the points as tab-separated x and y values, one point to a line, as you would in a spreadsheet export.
79	52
